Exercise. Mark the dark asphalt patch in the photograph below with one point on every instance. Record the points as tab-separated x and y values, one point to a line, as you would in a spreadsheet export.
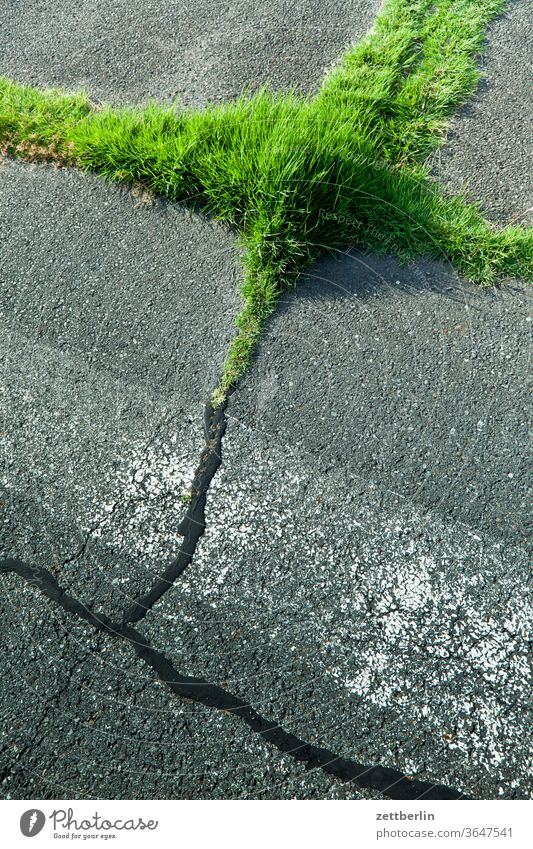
489	149
83	719
391	782
201	51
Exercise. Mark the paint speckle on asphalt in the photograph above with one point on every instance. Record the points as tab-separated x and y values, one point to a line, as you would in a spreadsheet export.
362	622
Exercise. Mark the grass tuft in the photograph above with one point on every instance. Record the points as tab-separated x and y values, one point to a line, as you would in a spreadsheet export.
299	176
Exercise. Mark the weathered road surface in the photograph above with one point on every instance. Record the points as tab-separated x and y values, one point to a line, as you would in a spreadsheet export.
362	578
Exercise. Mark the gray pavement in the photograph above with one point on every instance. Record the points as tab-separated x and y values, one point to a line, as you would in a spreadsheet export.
405	377
488	152
357	620
116	316
362	578
368	540
196	50
83	719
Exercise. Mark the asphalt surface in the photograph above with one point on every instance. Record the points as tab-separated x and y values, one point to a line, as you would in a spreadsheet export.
201	51
116	318
84	720
369	540
416	382
488	153
362	578
357	620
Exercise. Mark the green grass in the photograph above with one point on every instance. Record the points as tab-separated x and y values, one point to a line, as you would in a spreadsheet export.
300	176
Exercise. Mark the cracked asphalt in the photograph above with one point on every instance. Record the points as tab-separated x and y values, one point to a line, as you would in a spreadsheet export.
115	329
362	579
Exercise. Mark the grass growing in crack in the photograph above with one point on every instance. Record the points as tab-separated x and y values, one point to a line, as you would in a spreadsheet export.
186	498
299	176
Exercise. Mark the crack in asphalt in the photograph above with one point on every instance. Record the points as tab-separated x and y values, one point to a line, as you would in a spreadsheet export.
192	526
82	547
390	782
